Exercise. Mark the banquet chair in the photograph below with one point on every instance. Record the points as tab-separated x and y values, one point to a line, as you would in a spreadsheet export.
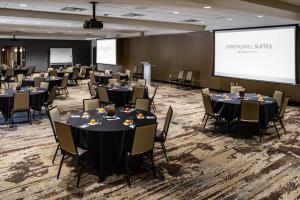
161	136
103	95
21	103
209	113
205	91
13	85
280	116
143	145
93	78
141	82
50	69
10	73
74	77
53	73
249	114
49	103
54	116
20	77
30	70
278	96
81	74
37	81
92	90
138	92
64	86
90	104
142	104
107	71
128	73
112	81
68	147
44	85
187	82
179	78
236	89
116	76
152	98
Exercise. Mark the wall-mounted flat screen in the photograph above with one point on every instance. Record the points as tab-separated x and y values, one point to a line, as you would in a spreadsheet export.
265	54
107	51
61	56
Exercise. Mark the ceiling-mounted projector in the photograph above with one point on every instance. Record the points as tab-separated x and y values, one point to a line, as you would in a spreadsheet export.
93	23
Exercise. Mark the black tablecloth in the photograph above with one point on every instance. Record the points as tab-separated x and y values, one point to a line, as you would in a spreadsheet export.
37	98
61	74
17	71
104	142
230	109
52	82
103	78
122	96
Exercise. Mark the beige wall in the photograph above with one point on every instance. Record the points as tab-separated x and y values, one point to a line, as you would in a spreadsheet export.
192	51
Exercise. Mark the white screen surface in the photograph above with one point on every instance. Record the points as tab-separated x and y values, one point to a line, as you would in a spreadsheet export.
107	51
61	55
266	54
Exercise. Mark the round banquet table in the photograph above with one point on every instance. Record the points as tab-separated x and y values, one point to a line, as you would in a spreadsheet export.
121	96
56	81
103	78
62	73
17	71
230	109
37	98
105	140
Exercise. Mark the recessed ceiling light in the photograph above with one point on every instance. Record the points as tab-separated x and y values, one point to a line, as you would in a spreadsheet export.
207	7
23	5
203	22
229	19
176	12
260	16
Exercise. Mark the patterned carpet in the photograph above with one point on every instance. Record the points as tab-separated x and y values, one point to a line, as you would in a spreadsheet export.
202	165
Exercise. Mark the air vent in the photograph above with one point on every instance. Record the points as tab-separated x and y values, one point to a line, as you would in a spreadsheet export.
141	8
190	20
73	9
133	15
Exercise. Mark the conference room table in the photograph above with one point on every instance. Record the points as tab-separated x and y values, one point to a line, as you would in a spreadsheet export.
229	106
103	78
37	98
106	139
53	81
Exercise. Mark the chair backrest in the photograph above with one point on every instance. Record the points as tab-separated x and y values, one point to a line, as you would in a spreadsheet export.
138	92
50	69
249	111
103	94
140	69
154	93
128	72
180	75
75	74
116	76
44	85
37	81
65	138
135	69
13	85
93	78
107	71
142	104
21	101
53	73
167	122
205	91
112	81
69	69
54	116
20	77
52	95
91	89
143	140
30	70
141	82
10	72
207	104
91	104
64	82
235	89
278	96
283	107
189	76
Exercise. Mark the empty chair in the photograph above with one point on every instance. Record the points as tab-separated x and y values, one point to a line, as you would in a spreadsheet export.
103	95
74	77
93	78
142	104
107	71
21	104
50	68
187	82
138	92
152	98
249	114
161	136
64	86
44	85
91	104
209	113
10	73
280	116
143	144
278	96
67	147
69	69
116	76
53	73
141	82
92	90
112	81
236	89
37	81
54	116
13	85
30	70
49	103
205	91
128	72
179	78
20	78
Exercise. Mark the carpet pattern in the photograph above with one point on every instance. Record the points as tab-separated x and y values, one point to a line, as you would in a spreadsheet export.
202	165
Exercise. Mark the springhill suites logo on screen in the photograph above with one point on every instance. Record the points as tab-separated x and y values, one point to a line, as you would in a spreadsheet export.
248	48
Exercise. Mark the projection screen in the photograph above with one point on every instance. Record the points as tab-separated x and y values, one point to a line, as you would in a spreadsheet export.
107	51
61	56
265	54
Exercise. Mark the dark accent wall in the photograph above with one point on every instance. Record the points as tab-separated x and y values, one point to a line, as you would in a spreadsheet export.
192	51
37	51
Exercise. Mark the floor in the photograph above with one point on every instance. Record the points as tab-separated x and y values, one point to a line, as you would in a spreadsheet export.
202	165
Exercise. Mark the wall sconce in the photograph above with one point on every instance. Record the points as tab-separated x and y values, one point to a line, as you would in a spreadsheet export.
21	50
16	50
3	49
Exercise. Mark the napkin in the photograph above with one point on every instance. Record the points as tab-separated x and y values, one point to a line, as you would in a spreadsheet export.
84	126
150	117
75	116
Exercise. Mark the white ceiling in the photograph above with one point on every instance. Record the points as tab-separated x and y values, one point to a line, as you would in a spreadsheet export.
217	17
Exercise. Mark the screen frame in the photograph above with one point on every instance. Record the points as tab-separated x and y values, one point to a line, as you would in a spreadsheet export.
261	27
116	51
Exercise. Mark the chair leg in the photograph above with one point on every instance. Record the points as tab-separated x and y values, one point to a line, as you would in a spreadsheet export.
164	150
259	132
238	130
205	123
276	129
60	165
55	154
79	174
203	118
282	125
153	166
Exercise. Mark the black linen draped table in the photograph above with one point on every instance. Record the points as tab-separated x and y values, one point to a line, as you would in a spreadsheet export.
106	139
103	78
53	81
